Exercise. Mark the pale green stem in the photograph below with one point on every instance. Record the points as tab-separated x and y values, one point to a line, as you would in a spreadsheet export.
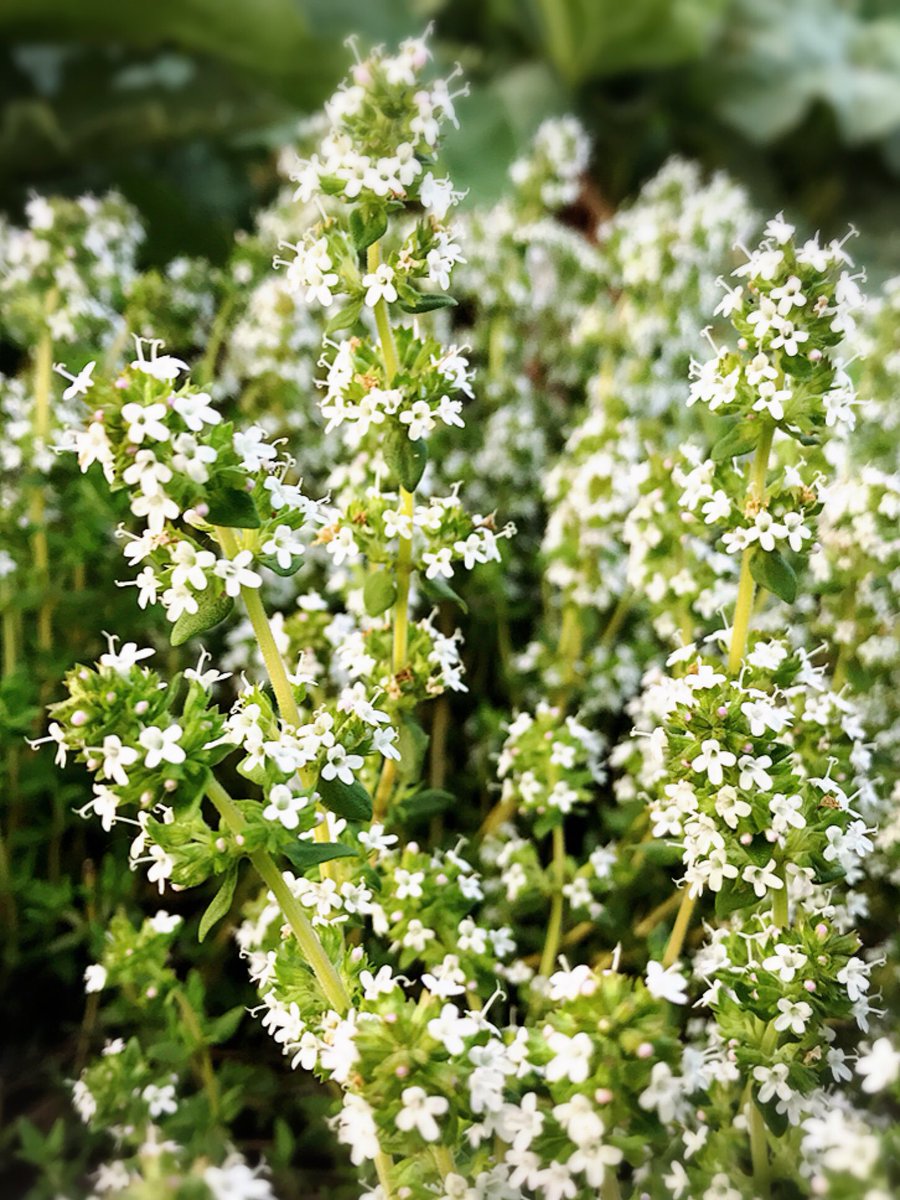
192	1024
759	1152
554	925
780	901
307	939
383	1166
756	492
609	1188
679	929
275	668
403	567
43	375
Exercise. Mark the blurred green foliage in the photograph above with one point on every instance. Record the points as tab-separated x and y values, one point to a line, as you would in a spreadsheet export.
182	104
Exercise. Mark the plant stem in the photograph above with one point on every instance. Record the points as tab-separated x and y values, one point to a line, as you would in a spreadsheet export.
43	374
383	1166
759	1153
780	902
679	929
275	669
443	1156
656	915
619	613
384	788
403	568
554	925
193	1027
274	664
307	938
10	641
756	491
609	1188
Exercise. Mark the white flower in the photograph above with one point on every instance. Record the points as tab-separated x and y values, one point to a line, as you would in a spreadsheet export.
785	962
95	977
284	545
341	765
121	661
252	448
754	773
376	840
773	1082
379	285
711	759
762	878
161	745
237	574
235	1180
880	1068
78	384
196	411
793	1015
450	1029
419	1111
437	195
145	422
855	978
666	983
571	1056
438	563
116	757
160	1100
284	806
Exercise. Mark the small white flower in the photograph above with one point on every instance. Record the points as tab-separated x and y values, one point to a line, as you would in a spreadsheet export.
793	1015
379	285
161	745
237	574
418	1112
880	1068
95	977
666	983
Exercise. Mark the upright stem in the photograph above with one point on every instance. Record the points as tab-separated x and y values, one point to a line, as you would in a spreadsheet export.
274	663
383	1166
204	1060
403	567
780	902
43	375
759	1152
609	1188
554	925
756	491
679	929
275	668
323	968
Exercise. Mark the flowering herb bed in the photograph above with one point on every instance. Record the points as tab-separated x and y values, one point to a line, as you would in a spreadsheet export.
524	711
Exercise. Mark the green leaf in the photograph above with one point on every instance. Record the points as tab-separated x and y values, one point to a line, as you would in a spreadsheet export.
211	609
379	592
231	507
731	899
346	316
304	855
220	904
412	742
740	439
346	800
425	302
775	1120
367	226
774	573
406	459
439	589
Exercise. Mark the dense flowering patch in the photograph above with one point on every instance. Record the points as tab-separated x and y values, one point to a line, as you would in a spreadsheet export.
560	889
